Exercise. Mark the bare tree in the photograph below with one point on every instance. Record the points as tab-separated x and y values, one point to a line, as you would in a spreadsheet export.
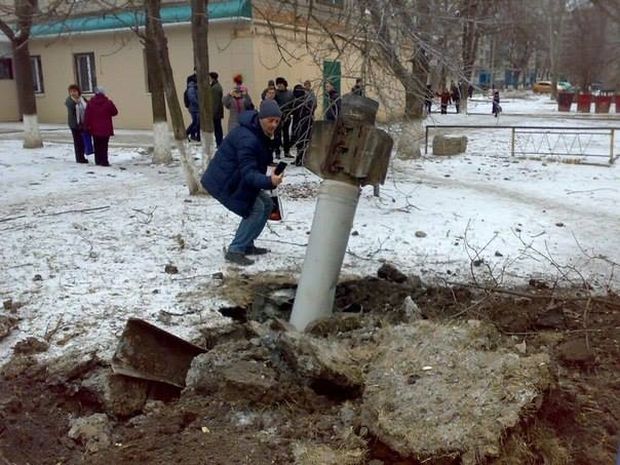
521	35
200	39
172	99
24	12
161	139
586	52
610	7
556	11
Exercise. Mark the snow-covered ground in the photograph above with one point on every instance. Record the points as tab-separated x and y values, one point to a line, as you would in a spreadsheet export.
85	247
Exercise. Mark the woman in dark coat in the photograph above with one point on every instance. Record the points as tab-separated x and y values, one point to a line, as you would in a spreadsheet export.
98	121
76	107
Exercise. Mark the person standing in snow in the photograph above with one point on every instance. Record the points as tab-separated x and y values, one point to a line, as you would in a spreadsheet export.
428	99
192	103
444	101
496	109
303	117
76	108
285	98
98	121
236	177
237	101
333	108
455	95
218	108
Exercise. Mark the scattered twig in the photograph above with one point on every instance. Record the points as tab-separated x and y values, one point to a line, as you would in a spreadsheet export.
149	215
591	190
533	333
19	266
285	242
49	333
185	278
470	307
81	210
585	321
11	218
499	290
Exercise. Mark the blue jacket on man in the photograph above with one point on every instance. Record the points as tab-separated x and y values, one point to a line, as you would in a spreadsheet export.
236	174
192	96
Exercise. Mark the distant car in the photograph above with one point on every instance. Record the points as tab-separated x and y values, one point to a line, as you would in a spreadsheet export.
544	87
565	86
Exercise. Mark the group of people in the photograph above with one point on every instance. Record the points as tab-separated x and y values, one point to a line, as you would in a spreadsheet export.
446	97
90	122
453	95
298	107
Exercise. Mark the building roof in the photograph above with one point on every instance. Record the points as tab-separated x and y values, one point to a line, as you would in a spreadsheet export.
230	9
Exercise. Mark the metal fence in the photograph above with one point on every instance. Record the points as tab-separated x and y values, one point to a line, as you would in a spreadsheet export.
552	141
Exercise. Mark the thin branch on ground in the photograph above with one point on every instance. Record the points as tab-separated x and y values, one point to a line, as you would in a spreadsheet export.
81	210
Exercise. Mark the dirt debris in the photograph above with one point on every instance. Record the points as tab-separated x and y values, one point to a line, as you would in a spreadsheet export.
260	408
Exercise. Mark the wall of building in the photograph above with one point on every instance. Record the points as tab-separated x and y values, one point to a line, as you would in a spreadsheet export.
9	110
121	68
235	48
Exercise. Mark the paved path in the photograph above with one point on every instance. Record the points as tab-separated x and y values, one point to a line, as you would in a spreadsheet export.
62	134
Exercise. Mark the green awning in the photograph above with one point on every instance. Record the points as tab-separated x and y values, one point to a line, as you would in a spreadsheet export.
232	9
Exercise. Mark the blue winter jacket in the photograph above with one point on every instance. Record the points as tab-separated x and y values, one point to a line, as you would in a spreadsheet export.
236	174
192	95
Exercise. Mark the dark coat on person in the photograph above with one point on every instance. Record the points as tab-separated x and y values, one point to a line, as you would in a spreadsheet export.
303	111
285	100
236	174
216	98
72	117
333	110
98	116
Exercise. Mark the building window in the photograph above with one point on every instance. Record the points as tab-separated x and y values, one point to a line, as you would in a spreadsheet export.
337	3
85	75
6	68
37	74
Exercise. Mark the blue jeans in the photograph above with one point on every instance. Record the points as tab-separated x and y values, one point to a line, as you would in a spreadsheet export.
251	227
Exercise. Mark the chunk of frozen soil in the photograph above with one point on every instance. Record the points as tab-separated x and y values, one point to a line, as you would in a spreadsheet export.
94	432
448	390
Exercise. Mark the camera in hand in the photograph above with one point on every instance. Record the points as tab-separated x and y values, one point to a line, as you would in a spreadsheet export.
279	168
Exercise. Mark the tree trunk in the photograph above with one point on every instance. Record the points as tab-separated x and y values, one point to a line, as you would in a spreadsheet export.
200	39
469	43
25	93
191	177
162	152
411	133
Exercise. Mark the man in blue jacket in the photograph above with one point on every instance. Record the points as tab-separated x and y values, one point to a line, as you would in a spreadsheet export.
236	178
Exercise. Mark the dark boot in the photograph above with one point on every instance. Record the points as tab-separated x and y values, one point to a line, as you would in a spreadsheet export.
253	250
238	258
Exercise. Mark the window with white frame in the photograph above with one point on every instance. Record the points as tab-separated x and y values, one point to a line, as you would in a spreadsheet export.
85	75
37	74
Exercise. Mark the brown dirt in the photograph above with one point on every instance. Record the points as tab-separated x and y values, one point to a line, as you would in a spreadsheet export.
577	424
